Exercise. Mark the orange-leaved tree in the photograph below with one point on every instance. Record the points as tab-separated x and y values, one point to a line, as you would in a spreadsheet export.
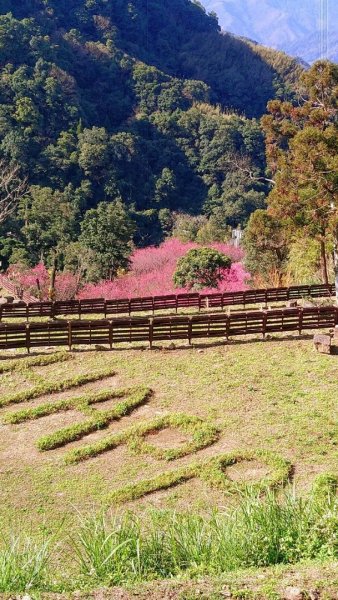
302	154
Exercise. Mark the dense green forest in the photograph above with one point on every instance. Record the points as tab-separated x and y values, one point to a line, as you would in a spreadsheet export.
144	102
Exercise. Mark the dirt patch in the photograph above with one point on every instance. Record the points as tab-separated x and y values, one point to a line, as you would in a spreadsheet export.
248	471
167	438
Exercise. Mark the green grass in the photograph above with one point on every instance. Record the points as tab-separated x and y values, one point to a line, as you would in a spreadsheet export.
98	419
82	403
202	435
256	533
111	550
57	386
34	361
213	472
24	564
277	396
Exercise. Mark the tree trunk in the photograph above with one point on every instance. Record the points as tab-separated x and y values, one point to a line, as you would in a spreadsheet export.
323	261
51	293
39	289
335	260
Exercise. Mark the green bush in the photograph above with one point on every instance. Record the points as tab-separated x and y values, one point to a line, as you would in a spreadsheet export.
201	268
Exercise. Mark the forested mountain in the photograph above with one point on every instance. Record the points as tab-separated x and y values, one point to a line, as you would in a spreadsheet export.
293	26
142	101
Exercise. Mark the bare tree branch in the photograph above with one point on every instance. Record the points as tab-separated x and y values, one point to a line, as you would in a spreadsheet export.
12	189
242	164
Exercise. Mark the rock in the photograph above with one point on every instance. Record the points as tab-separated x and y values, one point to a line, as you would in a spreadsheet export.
293	593
322	343
172	346
9	299
291	304
200	351
308	304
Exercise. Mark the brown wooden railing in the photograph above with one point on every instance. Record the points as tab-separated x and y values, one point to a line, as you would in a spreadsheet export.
10	287
154	304
155	329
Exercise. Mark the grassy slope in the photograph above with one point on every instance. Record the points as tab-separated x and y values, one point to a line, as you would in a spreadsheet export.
278	395
313	580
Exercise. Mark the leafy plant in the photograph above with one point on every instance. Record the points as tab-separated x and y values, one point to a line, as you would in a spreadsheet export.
201	268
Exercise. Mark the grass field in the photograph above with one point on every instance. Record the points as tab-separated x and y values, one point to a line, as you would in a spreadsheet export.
239	400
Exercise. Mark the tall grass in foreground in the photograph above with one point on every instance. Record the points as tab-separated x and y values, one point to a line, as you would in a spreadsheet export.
166	544
23	564
161	544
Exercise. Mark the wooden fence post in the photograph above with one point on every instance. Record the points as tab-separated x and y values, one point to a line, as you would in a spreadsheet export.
300	320
70	335
151	332
27	313
227	326
28	337
1	308
265	319
190	330
111	333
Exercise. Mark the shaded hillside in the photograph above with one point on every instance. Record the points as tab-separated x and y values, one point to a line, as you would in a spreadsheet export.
176	36
103	99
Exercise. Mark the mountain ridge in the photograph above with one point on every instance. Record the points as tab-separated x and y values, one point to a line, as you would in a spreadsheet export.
281	24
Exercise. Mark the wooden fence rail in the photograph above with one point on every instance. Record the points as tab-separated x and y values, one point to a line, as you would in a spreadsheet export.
155	329
154	304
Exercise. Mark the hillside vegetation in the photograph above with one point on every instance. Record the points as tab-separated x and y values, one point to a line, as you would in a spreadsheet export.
146	102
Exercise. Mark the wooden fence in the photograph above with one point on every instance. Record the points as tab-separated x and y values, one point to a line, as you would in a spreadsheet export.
154	304
13	289
155	329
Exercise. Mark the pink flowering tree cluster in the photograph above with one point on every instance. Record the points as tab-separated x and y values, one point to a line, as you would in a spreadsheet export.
36	281
152	269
